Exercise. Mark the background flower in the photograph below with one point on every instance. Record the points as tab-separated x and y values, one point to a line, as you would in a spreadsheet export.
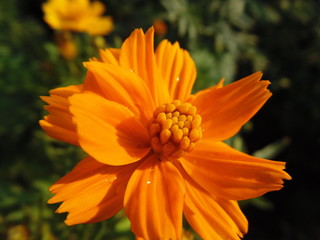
77	15
160	27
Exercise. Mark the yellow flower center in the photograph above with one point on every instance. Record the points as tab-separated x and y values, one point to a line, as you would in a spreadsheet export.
174	129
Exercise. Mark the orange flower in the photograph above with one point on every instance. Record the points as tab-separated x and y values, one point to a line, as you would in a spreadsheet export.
77	15
67	46
160	27
154	149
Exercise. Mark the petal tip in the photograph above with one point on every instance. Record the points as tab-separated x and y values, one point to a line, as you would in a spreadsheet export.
151	30
88	64
259	73
69	222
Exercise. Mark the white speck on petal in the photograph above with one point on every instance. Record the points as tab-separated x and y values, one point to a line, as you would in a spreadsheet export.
111	179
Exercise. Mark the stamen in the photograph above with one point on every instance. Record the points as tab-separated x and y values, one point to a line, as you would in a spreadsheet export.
174	129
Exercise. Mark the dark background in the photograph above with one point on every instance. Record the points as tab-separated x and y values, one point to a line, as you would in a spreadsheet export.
226	38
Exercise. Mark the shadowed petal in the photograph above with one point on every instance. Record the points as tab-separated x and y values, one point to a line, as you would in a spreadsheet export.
120	85
92	191
154	200
137	54
230	174
59	124
210	217
224	110
108	131
177	68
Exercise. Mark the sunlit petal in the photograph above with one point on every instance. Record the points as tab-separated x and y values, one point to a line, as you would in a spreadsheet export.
177	68
92	191
120	85
211	217
226	109
59	124
108	131
230	174
137	54
154	200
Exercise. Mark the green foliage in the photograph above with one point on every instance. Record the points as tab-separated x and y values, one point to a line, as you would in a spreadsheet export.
218	34
226	38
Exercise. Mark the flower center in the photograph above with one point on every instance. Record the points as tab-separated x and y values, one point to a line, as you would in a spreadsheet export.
174	129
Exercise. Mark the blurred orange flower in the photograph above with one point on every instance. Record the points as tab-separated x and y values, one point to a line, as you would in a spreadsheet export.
160	27
77	15
66	44
153	148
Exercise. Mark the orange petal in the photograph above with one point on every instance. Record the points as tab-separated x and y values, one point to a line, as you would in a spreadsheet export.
96	25
154	200
67	91
177	68
59	124
210	217
230	174
205	91
108	131
110	55
120	85
137	54
224	110
92	191
59	132
96	8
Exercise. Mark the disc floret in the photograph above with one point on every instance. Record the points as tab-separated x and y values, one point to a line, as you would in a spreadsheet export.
174	129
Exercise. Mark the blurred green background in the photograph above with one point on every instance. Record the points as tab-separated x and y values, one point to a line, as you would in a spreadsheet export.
226	38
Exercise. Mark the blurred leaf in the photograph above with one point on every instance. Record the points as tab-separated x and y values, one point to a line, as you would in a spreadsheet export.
260	203
15	216
123	225
272	150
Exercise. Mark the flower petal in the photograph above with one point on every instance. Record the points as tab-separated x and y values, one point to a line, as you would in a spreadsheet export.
108	131
92	191
137	54
96	8
224	110
59	124
154	200
95	25
120	85
230	174
110	55
177	68
210	217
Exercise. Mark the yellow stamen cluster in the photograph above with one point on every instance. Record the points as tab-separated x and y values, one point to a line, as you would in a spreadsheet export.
174	129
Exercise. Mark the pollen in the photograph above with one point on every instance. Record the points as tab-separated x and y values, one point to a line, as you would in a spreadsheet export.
174	129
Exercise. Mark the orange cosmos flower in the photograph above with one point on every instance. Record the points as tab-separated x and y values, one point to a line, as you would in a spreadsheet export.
153	148
77	15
